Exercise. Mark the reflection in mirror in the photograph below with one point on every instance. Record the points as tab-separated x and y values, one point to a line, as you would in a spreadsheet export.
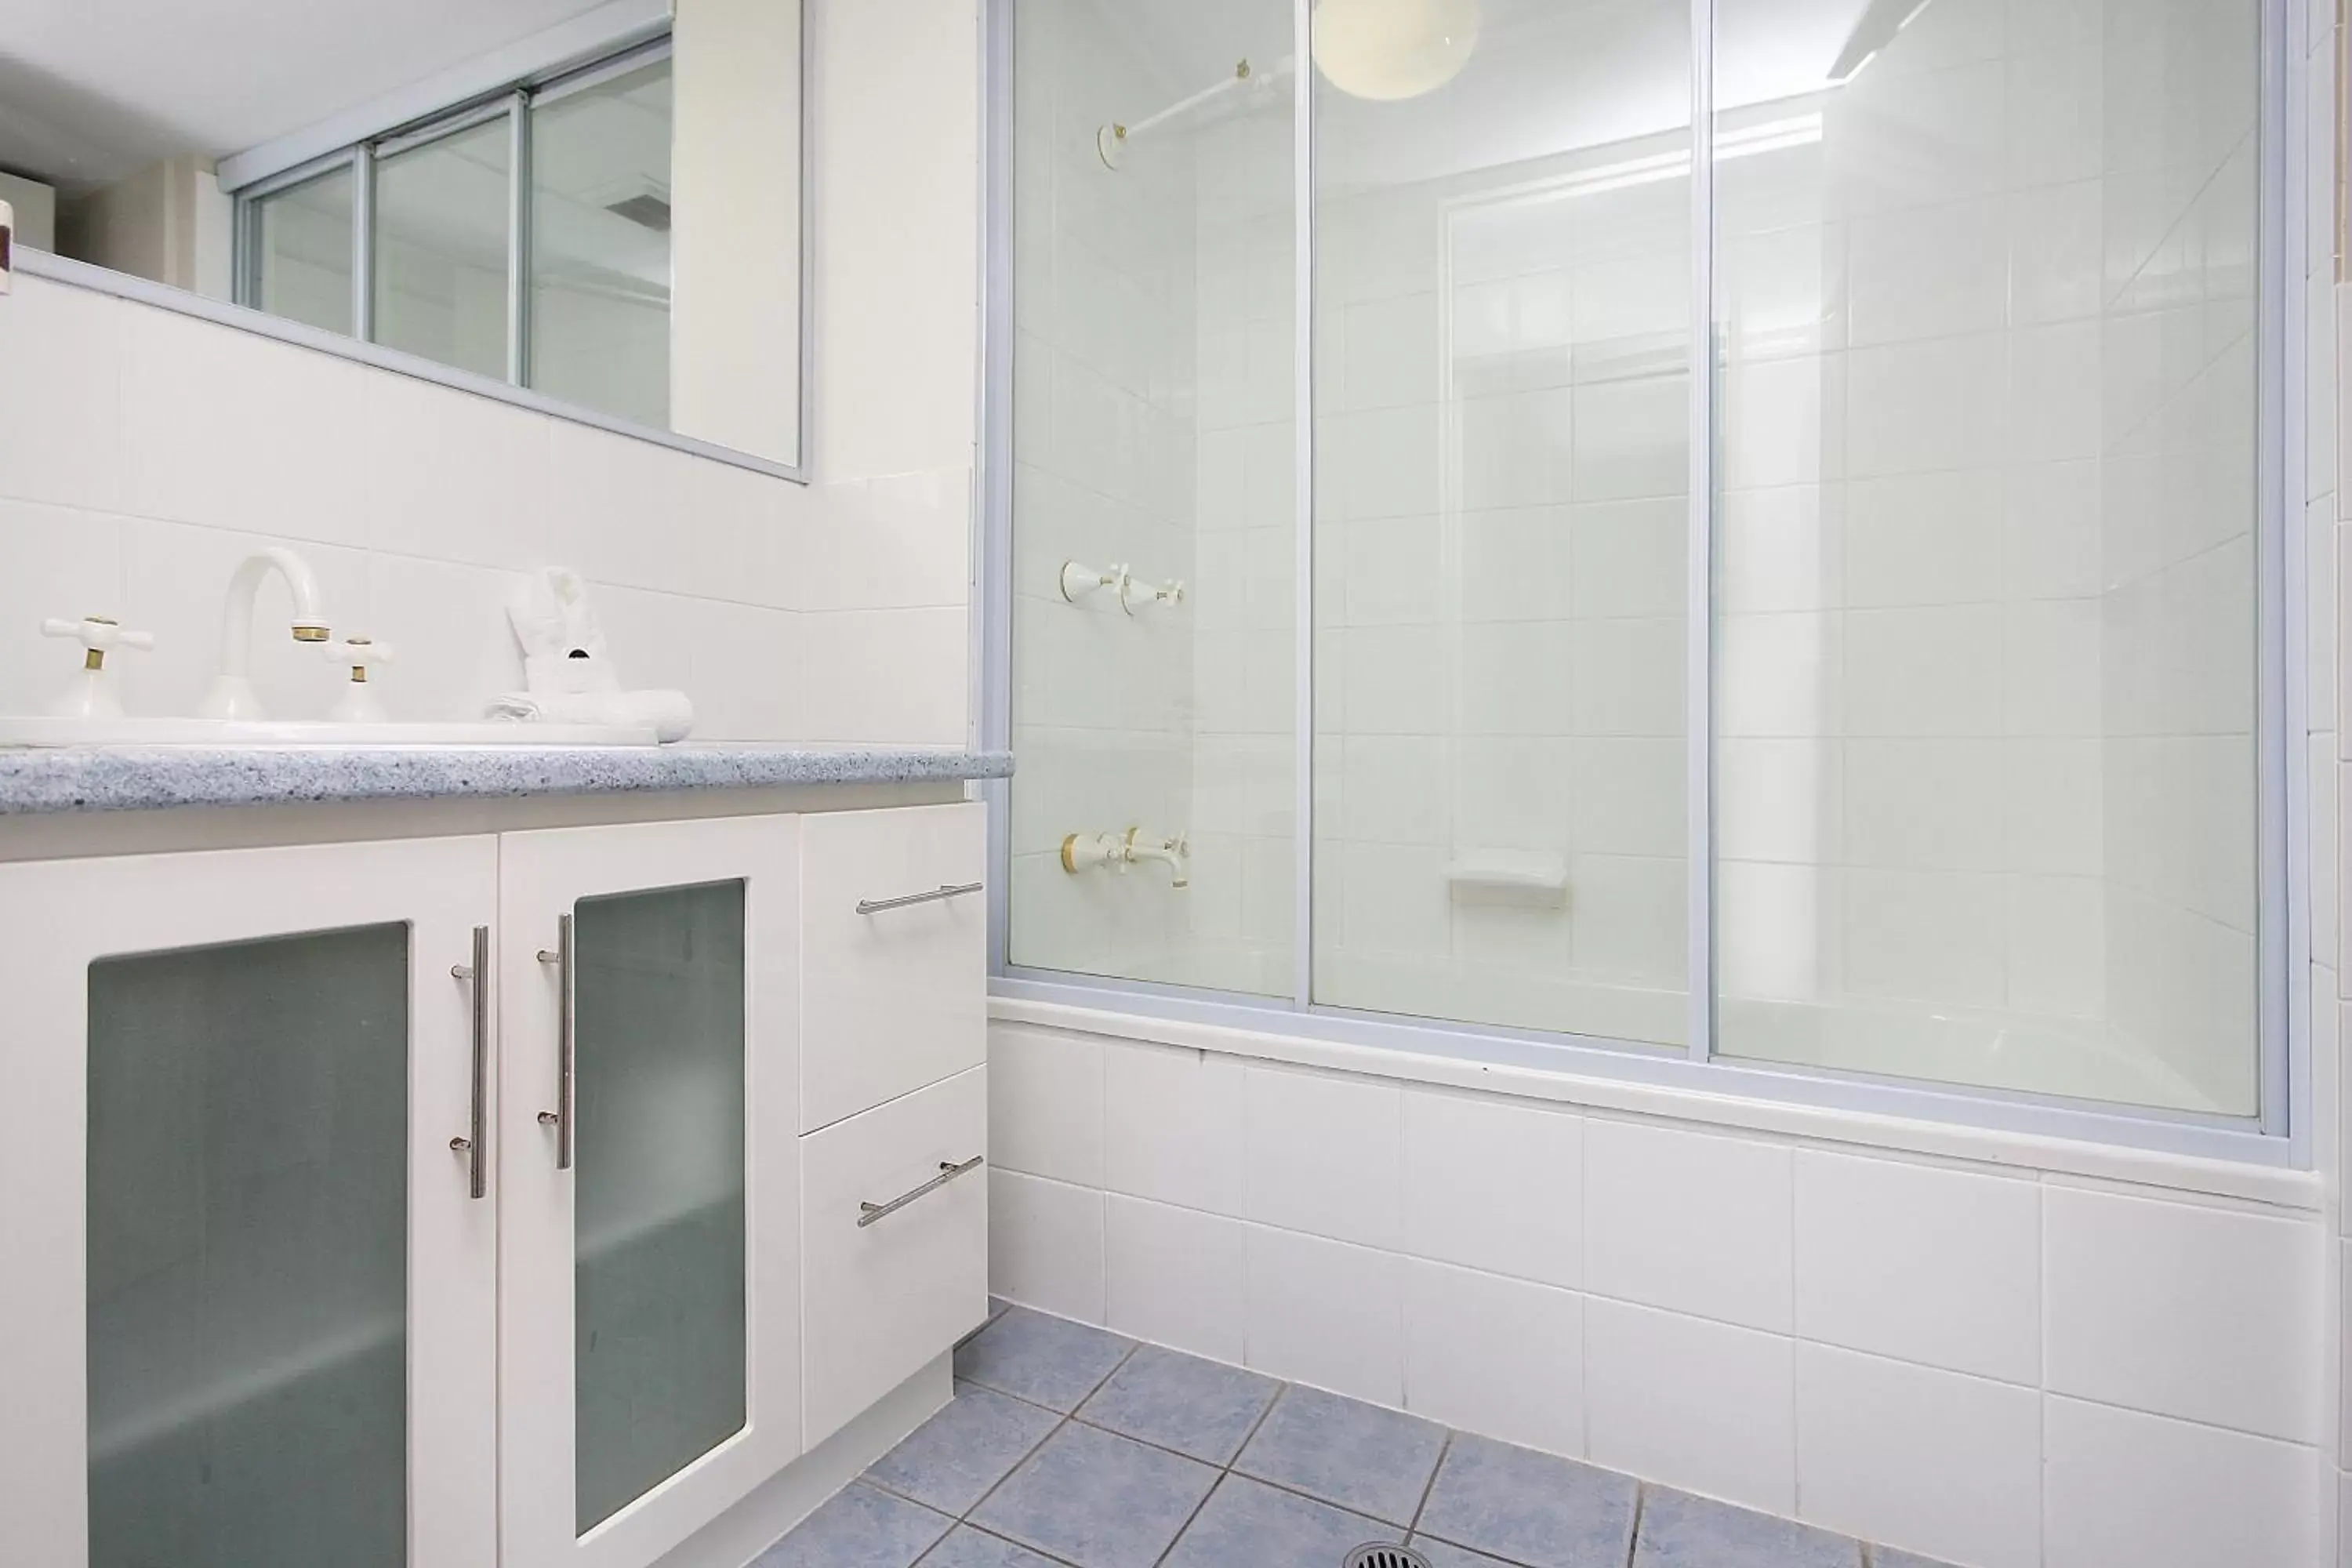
302	258
437	252
600	258
595	202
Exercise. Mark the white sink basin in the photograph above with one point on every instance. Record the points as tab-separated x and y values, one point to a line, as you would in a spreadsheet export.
46	731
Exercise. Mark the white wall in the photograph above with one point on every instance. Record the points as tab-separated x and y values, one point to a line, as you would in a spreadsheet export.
35	206
735	335
1993	1365
143	453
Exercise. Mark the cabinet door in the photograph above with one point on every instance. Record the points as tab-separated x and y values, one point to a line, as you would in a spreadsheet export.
249	1284
650	1315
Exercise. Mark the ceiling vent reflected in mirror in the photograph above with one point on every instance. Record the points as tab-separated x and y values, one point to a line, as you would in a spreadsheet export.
646	210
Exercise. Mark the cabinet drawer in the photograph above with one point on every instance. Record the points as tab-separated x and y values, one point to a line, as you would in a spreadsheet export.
891	998
881	1299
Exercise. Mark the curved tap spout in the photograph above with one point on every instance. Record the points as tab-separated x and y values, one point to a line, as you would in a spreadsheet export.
231	695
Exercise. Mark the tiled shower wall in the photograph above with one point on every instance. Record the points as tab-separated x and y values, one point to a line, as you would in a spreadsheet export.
1992	1364
143	453
1103	388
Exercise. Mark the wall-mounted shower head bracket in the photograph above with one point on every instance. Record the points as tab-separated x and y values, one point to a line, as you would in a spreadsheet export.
1112	139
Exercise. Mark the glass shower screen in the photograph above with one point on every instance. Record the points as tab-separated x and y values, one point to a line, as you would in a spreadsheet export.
1886	701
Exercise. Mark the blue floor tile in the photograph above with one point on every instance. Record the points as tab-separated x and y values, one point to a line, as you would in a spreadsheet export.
1356	1456
1203	1409
1679	1530
1246	1524
964	1547
1445	1554
949	1461
1097	1499
1529	1508
858	1528
1887	1557
1046	1361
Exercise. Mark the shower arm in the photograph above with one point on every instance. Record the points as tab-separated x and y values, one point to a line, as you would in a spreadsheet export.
1110	140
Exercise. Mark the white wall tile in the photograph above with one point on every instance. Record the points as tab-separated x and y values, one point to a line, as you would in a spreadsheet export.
1172	1125
1327	1314
1501	1357
1691	1221
447	626
1176	1277
1325	1154
1046	1245
1929	1265
2124	1487
1494	1185
893	542
59	431
1931	1462
2204	1313
1046	1103
1699	1405
911	688
61	563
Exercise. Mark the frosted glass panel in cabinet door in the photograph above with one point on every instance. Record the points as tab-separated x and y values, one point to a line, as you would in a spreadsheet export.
658	1293
247	1217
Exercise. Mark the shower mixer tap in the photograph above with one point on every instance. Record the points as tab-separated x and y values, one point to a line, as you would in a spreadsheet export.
1081	851
1077	579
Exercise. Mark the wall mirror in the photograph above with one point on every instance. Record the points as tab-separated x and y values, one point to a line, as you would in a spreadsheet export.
595	208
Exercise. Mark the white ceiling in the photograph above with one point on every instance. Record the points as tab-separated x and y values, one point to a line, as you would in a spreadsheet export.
91	90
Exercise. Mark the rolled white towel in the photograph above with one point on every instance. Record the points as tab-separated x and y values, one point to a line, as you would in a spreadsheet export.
668	714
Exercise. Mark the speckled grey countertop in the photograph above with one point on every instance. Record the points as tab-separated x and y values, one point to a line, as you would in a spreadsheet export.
137	778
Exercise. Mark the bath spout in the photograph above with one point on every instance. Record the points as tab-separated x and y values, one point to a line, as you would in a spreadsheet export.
231	695
1175	853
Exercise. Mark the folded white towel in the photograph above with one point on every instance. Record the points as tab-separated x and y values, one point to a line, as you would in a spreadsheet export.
668	714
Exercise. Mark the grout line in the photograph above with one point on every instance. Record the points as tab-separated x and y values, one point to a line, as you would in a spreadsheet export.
1016	1469
1633	1527
1190	1518
1429	1487
1280	1387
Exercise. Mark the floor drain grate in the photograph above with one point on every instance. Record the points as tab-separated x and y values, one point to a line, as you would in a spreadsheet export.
1381	1554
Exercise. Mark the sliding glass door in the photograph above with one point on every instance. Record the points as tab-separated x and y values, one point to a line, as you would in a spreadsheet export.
1902	698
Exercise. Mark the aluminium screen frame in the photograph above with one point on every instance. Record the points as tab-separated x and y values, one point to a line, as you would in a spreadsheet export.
2278	1135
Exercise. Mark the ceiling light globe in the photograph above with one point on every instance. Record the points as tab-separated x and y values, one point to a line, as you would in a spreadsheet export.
1389	49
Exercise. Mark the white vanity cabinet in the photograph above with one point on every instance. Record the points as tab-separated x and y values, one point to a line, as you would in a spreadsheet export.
249	1284
456	1203
649	1358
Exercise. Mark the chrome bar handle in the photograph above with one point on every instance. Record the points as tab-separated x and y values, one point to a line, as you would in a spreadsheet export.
561	1117
475	1143
944	891
868	1213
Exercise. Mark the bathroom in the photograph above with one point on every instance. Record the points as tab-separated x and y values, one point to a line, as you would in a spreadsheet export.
1032	781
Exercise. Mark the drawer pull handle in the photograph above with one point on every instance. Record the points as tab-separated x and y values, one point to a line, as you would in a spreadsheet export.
944	891
562	959
474	1142
868	1213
